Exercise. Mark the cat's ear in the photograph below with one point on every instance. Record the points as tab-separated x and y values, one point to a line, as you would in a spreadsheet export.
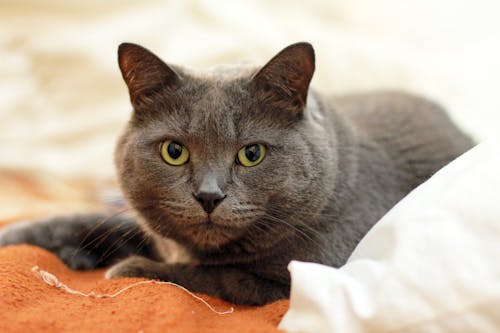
144	73
287	76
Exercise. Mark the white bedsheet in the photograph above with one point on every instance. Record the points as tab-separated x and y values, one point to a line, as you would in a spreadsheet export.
432	264
63	102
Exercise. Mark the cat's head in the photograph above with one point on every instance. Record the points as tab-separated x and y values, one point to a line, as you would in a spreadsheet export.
230	156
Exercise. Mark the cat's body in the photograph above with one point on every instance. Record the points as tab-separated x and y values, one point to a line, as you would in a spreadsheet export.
330	168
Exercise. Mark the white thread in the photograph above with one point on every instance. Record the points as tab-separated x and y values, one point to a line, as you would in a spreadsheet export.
52	280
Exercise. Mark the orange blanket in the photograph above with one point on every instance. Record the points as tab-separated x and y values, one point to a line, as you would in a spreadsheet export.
28	304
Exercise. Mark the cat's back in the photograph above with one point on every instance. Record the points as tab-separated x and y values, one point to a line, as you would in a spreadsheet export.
414	132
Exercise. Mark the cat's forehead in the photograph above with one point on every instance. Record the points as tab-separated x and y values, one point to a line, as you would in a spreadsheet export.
209	109
214	106
214	115
213	98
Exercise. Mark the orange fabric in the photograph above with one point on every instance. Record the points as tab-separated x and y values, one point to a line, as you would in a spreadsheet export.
27	304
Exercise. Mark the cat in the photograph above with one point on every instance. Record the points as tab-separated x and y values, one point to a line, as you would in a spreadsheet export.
232	173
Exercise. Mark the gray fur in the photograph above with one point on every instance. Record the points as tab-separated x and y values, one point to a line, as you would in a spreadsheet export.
334	166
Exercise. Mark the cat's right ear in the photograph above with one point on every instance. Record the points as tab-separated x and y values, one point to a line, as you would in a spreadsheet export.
144	73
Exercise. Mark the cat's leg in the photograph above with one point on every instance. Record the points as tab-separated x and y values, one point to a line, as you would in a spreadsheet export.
82	241
227	282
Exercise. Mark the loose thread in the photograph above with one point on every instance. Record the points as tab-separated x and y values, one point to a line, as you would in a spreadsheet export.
53	281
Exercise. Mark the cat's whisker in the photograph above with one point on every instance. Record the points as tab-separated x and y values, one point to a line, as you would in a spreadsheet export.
94	228
118	244
303	228
175	205
289	225
97	241
306	225
307	213
139	246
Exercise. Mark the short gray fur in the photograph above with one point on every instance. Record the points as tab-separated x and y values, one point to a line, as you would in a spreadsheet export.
334	166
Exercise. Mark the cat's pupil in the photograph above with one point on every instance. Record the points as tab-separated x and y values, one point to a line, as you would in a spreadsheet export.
174	150
252	152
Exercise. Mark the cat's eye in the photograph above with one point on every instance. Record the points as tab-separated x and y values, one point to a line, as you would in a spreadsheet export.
174	153
251	155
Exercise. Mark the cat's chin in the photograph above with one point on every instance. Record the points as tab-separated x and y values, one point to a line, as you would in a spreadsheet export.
209	235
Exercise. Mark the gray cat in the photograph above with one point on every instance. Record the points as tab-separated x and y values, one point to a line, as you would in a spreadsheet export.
234	172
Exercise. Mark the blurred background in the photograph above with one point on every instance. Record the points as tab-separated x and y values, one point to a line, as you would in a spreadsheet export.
63	102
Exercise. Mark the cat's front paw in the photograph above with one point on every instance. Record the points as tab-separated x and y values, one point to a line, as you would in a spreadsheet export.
138	267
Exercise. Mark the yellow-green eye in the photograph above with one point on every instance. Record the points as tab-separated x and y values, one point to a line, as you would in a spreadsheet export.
251	155
174	153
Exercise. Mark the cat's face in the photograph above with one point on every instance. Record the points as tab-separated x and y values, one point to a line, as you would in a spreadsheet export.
220	158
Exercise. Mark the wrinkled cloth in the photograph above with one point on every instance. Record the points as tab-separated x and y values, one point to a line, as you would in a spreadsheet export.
432	264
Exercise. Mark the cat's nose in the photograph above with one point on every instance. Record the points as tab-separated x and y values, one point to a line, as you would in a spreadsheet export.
209	200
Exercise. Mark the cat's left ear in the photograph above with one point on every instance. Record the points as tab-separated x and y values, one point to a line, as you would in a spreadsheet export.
144	73
287	76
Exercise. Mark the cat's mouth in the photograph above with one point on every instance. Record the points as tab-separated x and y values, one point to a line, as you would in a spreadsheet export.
210	222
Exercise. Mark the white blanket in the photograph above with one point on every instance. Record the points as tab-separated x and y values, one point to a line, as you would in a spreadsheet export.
432	264
63	102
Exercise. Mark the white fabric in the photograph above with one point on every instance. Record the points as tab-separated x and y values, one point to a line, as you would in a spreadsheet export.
63	101
432	264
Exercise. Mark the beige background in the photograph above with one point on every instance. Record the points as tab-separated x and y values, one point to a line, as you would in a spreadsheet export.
62	100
